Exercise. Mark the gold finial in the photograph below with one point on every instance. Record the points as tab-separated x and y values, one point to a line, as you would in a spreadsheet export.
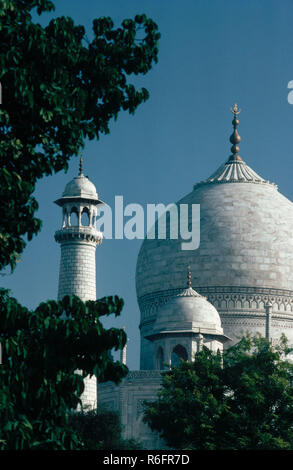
235	138
235	110
80	166
189	277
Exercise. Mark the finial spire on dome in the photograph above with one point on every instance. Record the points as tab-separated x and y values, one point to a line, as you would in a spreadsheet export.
235	138
188	277
80	166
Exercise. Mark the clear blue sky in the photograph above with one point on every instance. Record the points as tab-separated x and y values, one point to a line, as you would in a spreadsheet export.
212	53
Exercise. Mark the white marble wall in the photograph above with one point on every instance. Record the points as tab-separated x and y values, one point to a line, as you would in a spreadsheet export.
77	275
127	399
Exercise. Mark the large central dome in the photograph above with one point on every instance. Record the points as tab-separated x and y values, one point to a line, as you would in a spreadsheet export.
244	259
246	238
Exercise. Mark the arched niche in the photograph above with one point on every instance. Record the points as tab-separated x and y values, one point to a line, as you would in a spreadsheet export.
65	218
74	217
179	352
85	217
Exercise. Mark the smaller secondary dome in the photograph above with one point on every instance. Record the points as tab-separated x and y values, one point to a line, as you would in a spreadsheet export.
188	311
80	186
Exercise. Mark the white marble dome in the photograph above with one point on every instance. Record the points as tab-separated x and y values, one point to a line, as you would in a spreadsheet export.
80	186
245	257
246	238
188	311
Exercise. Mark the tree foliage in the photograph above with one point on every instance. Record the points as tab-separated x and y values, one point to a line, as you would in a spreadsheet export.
58	89
101	430
243	400
42	352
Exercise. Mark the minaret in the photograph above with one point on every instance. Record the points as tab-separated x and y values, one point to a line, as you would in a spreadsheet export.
79	238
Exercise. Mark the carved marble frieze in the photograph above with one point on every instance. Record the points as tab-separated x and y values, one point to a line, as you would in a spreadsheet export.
236	300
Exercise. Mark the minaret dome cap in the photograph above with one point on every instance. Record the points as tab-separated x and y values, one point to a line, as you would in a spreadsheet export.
80	188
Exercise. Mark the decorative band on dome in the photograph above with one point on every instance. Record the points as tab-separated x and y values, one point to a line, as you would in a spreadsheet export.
188	292
235	171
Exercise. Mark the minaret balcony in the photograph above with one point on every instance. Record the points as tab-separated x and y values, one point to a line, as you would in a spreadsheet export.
79	233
